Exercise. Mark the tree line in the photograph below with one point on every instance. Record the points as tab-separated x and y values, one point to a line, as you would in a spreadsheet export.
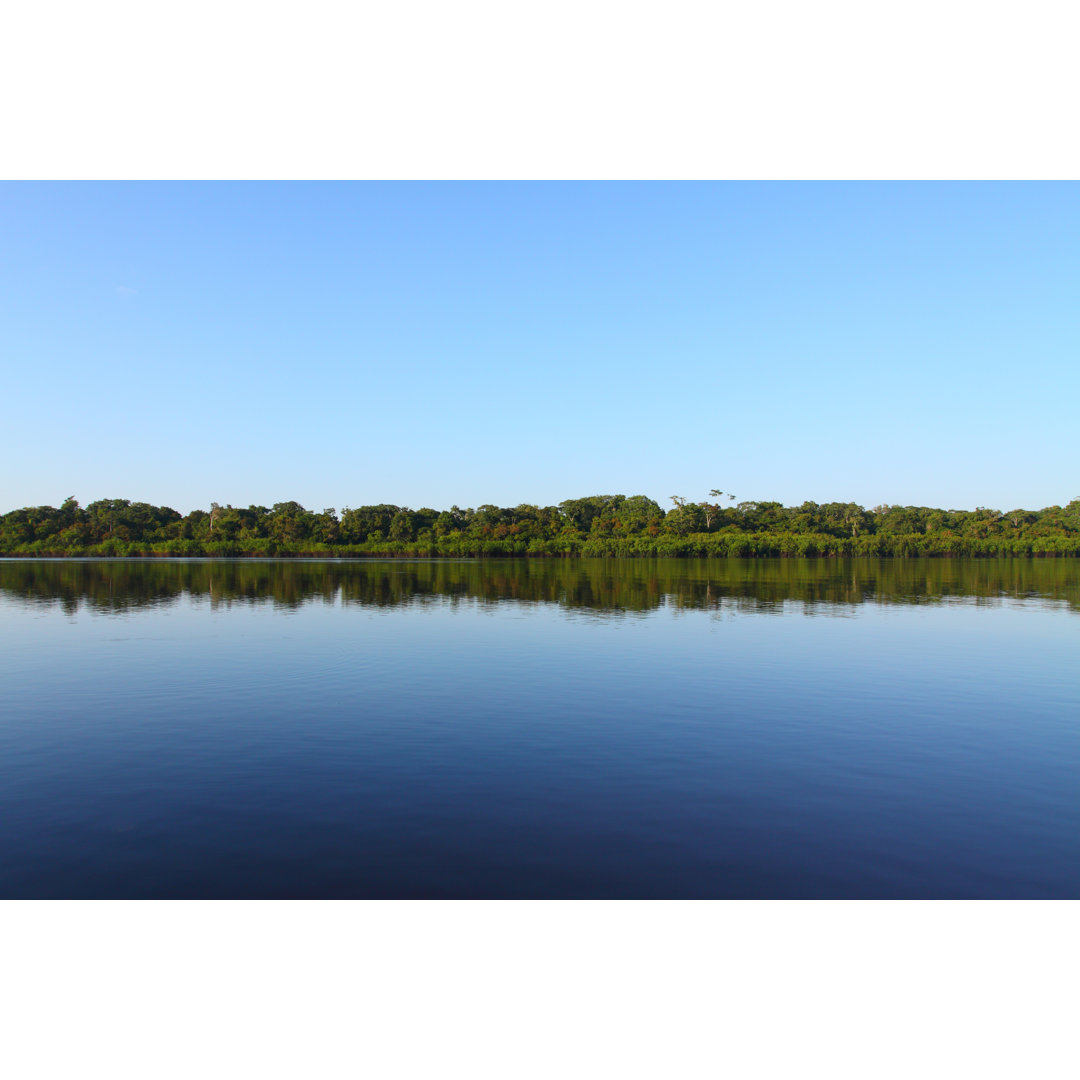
596	525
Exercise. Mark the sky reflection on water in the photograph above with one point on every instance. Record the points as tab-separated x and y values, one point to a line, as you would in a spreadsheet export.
281	729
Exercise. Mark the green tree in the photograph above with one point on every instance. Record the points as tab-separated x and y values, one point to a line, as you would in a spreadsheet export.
713	510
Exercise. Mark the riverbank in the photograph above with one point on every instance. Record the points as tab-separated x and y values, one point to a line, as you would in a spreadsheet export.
702	545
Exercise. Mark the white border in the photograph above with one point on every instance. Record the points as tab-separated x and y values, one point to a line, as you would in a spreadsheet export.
542	990
566	89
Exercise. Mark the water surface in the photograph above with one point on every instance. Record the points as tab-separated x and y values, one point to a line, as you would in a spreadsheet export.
562	728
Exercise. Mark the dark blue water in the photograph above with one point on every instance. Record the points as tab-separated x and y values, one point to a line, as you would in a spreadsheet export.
722	729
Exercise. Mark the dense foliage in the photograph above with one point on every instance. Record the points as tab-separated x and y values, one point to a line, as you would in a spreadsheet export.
598	525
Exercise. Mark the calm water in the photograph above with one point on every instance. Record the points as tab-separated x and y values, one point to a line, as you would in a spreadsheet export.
768	729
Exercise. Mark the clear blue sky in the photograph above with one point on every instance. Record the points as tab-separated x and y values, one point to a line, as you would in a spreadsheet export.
436	343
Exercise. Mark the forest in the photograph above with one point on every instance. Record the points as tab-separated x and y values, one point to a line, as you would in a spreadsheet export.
593	526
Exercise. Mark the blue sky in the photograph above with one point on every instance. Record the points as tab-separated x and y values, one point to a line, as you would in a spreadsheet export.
437	343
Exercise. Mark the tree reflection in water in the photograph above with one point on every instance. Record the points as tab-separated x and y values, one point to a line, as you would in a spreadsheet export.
600	586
